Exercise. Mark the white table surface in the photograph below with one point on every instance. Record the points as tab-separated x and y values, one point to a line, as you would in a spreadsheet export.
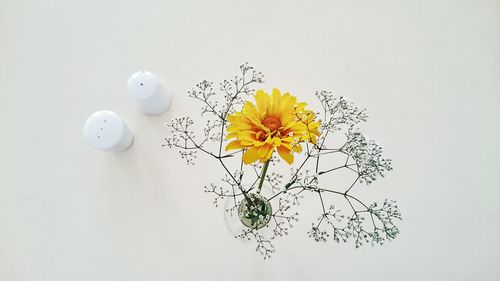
427	71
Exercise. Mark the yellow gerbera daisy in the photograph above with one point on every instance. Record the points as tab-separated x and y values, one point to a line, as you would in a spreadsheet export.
275	121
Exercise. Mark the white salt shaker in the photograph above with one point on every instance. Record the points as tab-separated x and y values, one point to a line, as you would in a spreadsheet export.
106	130
149	94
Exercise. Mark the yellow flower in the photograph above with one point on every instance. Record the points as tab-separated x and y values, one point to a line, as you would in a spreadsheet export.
275	121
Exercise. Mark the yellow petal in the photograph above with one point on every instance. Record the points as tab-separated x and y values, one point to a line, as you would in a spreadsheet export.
262	100
250	111
297	148
275	103
285	154
268	155
250	156
276	141
263	151
286	145
231	135
288	139
287	109
258	143
269	139
247	142
290	124
246	135
234	145
313	139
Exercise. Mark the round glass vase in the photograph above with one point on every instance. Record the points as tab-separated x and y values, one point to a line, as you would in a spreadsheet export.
255	211
238	225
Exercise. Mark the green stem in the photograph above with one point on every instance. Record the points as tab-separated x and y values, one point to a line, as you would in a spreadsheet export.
263	175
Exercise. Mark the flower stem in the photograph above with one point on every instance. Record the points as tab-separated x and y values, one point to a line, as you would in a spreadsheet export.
263	175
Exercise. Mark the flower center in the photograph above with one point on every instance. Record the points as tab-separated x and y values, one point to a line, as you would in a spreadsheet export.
272	123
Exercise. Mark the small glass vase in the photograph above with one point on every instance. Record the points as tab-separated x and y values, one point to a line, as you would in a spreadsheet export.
255	211
236	221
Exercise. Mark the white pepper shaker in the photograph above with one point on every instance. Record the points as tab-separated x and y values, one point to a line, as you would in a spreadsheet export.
150	96
106	130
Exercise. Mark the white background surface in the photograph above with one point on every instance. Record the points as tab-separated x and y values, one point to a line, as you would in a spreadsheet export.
427	71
